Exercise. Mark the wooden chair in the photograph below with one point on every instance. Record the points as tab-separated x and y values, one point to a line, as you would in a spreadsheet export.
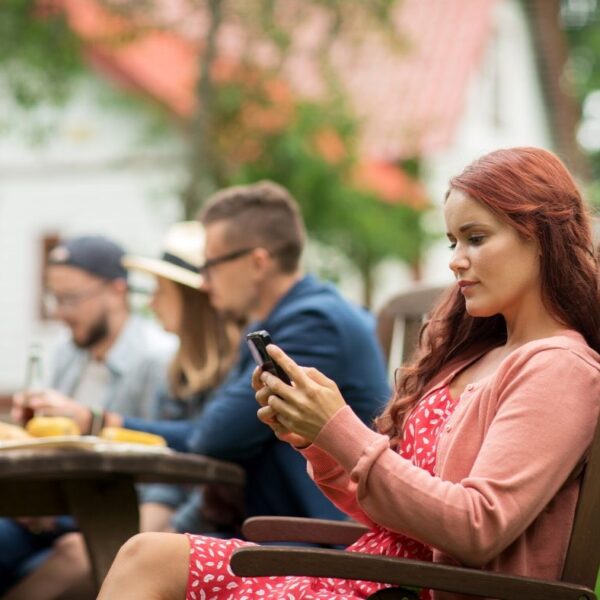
576	583
399	322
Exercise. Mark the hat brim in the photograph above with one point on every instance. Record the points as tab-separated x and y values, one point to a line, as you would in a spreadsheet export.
162	268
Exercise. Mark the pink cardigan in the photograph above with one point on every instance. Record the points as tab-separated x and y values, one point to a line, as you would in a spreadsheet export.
504	491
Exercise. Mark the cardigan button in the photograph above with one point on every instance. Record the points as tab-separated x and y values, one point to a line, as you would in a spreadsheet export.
470	387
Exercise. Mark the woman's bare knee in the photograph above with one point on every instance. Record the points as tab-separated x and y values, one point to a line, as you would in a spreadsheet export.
149	565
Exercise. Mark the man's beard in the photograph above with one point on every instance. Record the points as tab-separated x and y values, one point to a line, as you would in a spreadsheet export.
97	332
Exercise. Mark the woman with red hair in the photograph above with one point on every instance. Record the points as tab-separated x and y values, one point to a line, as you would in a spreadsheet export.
475	460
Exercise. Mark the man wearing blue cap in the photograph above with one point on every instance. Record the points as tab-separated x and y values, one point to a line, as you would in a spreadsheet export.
113	360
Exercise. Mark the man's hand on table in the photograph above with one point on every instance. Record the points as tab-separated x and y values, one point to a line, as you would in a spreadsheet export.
51	403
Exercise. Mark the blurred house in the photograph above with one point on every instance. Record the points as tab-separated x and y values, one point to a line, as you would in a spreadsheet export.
473	75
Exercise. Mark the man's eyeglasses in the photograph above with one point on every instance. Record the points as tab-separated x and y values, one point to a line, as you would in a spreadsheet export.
224	258
69	301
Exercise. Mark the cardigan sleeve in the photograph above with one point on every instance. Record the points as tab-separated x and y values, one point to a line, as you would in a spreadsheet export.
547	409
331	478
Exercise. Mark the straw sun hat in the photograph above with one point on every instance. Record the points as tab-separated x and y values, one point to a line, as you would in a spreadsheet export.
182	256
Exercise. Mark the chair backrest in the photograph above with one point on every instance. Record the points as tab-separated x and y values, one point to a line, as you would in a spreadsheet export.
400	320
583	556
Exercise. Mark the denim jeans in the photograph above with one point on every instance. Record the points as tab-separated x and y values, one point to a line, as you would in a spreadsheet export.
22	551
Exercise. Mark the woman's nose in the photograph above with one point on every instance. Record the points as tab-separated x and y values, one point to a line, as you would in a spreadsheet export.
458	261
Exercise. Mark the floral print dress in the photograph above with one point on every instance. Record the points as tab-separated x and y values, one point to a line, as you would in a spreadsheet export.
210	577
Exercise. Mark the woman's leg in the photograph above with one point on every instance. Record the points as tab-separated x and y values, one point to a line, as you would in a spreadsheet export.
149	566
65	574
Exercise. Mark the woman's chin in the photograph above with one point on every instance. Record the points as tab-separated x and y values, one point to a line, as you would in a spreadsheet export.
477	310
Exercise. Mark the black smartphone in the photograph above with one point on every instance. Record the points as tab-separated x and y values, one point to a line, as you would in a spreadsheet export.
258	342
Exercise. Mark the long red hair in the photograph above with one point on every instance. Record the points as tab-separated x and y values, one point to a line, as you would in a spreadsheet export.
531	190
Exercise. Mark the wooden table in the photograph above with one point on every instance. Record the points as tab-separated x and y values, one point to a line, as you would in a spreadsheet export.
98	489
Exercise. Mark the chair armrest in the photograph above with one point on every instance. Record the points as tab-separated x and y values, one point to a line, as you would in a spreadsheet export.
298	529
316	562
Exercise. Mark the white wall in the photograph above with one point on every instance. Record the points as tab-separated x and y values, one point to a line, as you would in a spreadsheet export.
94	175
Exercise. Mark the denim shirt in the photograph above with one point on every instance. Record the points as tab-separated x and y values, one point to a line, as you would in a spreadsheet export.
137	363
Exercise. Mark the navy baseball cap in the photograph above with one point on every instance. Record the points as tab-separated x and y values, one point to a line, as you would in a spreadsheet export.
93	253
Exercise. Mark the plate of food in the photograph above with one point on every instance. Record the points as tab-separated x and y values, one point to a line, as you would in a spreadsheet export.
62	432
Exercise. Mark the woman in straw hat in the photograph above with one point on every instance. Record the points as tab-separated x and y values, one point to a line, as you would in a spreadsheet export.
205	354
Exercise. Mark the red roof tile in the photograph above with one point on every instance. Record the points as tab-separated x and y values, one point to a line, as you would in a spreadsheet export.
161	64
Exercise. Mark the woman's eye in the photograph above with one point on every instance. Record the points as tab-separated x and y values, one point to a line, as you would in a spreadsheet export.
472	239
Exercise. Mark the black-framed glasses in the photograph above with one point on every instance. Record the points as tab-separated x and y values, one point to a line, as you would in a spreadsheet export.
224	258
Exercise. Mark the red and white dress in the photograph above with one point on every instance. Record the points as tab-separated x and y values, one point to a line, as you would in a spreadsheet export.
210	577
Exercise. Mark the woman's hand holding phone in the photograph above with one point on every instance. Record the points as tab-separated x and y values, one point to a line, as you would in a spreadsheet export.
268	416
302	409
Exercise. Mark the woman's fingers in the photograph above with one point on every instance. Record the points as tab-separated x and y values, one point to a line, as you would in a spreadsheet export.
295	372
262	395
286	413
257	384
266	414
304	407
318	377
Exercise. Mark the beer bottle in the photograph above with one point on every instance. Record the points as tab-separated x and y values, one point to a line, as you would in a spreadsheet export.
33	380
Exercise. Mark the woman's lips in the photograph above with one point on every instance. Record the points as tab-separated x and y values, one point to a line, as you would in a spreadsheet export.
465	286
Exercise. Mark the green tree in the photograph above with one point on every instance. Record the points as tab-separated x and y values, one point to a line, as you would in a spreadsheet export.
39	54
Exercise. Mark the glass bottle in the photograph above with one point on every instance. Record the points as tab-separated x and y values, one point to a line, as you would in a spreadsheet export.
34	382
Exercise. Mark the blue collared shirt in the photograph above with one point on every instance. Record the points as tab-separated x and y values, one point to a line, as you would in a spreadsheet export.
136	362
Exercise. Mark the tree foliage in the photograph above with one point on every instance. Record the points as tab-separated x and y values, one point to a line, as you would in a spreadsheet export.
39	54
